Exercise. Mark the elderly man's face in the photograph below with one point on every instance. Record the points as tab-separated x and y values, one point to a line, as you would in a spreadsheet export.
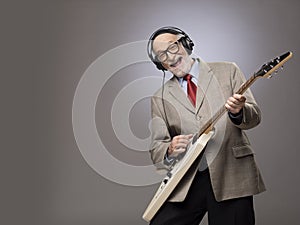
178	63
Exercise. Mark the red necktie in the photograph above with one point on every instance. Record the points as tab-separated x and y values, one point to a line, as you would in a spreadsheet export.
191	88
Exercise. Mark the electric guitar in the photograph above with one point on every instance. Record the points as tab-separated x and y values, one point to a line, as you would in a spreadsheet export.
183	162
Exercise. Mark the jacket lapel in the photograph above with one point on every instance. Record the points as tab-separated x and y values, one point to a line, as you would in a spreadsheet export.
204	81
176	91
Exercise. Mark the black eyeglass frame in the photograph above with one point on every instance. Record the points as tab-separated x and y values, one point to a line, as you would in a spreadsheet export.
165	52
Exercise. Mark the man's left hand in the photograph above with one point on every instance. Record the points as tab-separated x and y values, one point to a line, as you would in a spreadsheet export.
235	103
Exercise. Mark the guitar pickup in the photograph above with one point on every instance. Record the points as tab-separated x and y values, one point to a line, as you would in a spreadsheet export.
195	138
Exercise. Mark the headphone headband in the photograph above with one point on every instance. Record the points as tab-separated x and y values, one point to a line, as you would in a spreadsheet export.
186	42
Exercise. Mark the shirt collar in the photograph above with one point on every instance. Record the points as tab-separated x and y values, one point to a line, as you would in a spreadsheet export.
194	71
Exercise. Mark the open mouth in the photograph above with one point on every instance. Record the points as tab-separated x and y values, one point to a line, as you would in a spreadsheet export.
177	62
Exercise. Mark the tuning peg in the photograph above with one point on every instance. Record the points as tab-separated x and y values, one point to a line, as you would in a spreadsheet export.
265	64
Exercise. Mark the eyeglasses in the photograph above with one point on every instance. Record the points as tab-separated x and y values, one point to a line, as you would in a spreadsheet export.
173	49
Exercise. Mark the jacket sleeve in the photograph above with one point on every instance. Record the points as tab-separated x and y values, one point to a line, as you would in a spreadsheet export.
160	136
251	111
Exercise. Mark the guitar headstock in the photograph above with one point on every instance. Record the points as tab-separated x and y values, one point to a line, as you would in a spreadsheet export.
269	68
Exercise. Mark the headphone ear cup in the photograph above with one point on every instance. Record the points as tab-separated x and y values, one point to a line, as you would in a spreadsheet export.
159	66
188	44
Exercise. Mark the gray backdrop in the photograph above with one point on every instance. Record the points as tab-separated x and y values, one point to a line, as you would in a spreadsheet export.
46	47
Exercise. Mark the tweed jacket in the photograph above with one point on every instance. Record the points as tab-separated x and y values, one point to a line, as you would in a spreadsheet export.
228	154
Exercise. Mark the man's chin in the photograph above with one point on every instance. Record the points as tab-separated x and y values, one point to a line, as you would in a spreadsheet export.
179	73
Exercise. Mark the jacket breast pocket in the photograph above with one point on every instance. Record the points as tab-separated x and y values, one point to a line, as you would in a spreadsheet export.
242	151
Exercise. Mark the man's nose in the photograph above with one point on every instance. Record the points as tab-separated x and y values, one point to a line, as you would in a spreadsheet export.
171	57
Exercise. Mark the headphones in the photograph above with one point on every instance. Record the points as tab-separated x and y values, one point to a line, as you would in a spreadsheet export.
187	43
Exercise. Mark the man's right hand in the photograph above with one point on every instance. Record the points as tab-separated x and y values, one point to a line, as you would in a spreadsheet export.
178	145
